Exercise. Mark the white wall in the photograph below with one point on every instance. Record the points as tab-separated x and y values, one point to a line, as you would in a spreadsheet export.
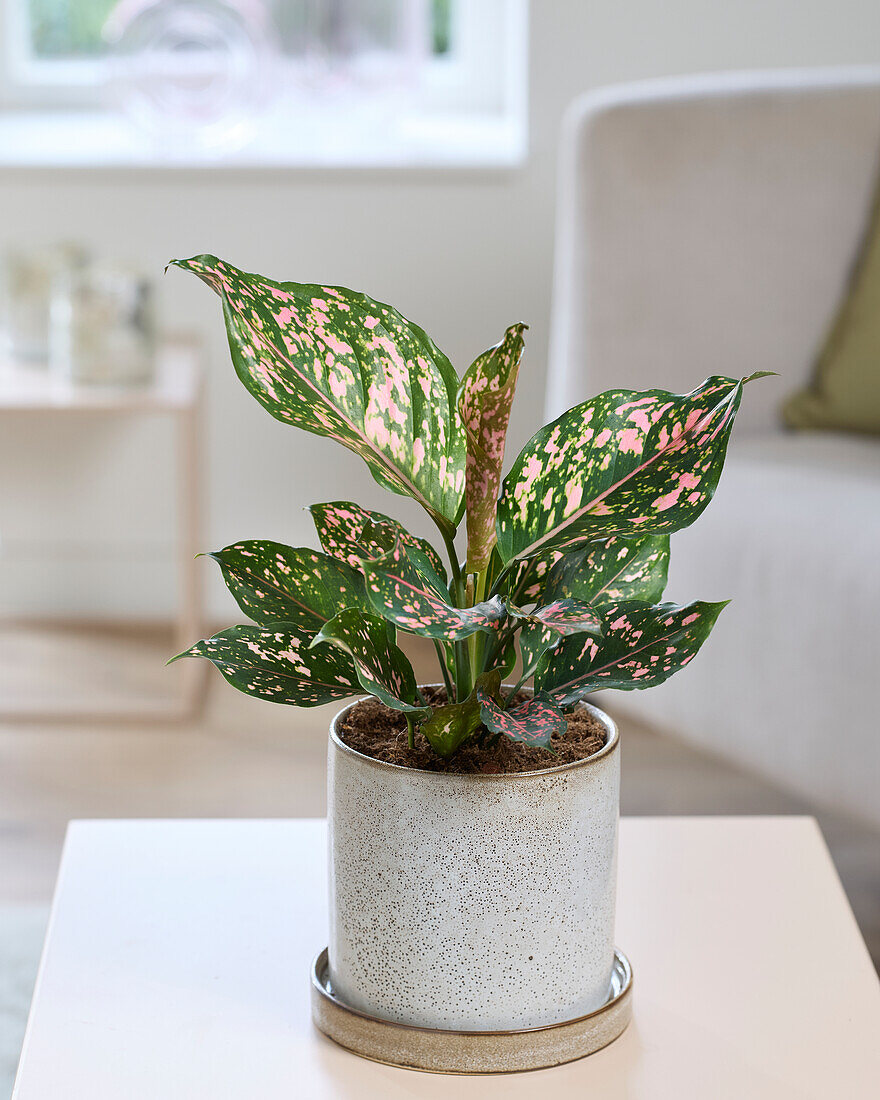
85	513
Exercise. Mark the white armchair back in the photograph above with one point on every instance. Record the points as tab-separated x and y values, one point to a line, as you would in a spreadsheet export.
707	225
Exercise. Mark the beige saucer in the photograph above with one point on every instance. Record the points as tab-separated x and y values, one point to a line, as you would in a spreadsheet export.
442	1051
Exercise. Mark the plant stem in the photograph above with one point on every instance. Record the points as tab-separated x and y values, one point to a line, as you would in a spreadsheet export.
441	656
478	639
456	595
518	685
410	732
503	575
455	591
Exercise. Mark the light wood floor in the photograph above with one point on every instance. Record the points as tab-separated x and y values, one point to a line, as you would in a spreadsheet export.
244	758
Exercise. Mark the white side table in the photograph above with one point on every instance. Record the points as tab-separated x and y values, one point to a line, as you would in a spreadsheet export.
176	967
176	392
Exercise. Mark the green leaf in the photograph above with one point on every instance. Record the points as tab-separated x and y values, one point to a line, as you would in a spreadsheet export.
273	583
277	664
641	646
544	627
381	667
484	401
610	571
337	363
451	725
350	533
565	616
400	593
505	660
624	463
527	578
533	722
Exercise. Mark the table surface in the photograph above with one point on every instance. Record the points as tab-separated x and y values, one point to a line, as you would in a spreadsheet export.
177	959
174	387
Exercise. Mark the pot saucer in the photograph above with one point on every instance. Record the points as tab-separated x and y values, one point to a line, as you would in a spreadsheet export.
444	1051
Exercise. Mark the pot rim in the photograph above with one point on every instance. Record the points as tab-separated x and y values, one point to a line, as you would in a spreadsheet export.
611	744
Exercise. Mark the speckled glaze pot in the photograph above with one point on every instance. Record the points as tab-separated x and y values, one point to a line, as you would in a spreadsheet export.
472	902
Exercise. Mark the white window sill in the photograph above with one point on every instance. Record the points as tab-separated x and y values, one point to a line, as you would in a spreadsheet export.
100	139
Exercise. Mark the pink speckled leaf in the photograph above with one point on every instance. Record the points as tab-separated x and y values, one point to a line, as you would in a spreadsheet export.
381	667
544	627
527	579
276	663
533	722
610	571
624	463
484	401
350	533
564	616
273	583
339	364
413	602
642	646
451	725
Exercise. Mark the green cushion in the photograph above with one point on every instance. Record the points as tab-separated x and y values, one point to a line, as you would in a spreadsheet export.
844	394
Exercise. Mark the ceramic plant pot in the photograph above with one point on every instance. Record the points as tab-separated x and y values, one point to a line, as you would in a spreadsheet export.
472	902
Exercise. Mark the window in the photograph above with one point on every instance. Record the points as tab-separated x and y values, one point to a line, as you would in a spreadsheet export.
60	41
433	67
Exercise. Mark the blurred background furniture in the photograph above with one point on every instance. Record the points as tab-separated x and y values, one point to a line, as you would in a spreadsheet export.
175	391
707	225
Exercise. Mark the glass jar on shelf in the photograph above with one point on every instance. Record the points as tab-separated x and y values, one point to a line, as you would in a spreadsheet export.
26	282
102	329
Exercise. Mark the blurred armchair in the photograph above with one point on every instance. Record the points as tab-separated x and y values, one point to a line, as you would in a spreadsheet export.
707	225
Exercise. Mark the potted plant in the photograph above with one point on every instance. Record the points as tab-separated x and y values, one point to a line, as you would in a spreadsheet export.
473	823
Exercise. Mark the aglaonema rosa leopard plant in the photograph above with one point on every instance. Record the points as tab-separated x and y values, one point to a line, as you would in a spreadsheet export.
566	557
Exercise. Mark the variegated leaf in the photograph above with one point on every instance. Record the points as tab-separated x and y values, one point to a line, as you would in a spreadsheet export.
527	579
273	583
624	463
403	595
451	725
344	531
484	401
642	646
381	667
524	584
610	571
505	658
276	663
334	362
565	616
533	722
545	626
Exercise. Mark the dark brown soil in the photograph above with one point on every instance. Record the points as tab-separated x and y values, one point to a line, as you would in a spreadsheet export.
375	730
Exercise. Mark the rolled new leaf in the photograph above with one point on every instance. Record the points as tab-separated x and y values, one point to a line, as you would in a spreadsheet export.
641	646
451	725
533	722
277	664
273	583
381	667
484	401
623	463
339	364
349	532
409	599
